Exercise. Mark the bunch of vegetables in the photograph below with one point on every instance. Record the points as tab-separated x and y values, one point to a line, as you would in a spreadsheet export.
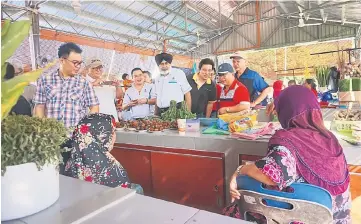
323	75
173	113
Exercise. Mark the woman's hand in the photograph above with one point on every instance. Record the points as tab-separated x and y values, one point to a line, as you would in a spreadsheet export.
270	108
235	195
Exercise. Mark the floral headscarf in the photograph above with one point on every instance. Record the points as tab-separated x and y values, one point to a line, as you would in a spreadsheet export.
90	156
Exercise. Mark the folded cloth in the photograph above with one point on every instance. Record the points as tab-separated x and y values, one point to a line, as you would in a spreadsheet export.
222	125
253	134
214	130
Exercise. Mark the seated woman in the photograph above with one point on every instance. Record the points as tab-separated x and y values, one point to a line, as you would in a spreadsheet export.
90	160
303	151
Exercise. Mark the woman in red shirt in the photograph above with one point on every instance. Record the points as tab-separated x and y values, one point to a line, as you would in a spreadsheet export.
310	84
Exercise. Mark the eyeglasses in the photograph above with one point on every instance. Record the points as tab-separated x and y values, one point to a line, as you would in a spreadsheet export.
99	68
75	63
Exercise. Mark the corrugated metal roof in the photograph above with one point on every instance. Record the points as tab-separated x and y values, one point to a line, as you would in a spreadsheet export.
148	23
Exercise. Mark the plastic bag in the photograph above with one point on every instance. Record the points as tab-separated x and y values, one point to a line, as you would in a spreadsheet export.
222	125
230	117
240	125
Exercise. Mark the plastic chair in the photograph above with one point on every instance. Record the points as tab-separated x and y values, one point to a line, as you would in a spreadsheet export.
306	204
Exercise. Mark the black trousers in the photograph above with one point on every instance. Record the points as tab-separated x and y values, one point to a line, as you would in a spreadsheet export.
66	155
162	110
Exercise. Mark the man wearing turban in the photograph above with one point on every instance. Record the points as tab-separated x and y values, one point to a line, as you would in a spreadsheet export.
171	85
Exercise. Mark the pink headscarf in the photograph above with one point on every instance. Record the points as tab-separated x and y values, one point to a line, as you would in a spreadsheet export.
320	158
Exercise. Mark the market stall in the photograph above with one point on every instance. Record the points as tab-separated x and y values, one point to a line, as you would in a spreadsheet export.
194	169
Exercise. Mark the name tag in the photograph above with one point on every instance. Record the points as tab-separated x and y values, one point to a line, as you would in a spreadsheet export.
172	81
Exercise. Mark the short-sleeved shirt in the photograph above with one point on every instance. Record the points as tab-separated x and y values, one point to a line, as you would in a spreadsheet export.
171	87
236	94
65	99
201	95
253	82
139	111
106	95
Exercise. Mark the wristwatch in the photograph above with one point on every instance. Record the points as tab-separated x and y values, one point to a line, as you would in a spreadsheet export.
239	170
147	101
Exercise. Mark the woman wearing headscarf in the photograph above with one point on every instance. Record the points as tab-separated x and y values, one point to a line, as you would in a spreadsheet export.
303	151
311	85
277	88
93	139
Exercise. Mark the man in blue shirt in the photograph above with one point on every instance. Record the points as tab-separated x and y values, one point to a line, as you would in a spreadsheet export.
258	89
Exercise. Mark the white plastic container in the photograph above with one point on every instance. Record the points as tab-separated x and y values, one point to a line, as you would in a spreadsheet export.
25	190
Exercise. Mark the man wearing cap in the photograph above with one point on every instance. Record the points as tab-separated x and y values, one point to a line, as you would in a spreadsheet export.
171	85
233	97
106	93
251	79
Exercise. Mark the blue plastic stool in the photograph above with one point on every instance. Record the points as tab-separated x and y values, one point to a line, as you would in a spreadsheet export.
307	203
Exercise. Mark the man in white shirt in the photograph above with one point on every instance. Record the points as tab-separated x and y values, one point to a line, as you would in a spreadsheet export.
171	85
107	94
139	98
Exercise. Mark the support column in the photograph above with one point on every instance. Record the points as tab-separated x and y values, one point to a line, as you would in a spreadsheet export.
34	34
258	18
165	46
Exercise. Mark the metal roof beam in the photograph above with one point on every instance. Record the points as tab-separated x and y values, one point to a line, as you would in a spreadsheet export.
52	18
106	20
205	16
102	29
149	18
165	9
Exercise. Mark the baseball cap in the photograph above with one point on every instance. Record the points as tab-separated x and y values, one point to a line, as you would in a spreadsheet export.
94	62
225	68
238	54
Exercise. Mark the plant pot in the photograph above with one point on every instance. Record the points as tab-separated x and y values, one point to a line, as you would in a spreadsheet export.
25	190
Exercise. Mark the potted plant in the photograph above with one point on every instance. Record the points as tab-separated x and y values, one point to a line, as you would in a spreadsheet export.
30	154
30	150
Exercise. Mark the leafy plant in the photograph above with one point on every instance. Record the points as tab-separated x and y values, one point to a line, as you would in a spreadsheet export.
344	85
27	139
323	75
174	113
12	35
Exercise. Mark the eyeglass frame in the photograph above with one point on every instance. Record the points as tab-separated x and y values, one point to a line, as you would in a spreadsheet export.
76	64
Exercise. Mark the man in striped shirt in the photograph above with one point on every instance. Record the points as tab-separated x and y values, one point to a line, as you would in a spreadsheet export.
65	95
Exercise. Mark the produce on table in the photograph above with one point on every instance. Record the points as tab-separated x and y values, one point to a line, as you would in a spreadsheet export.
120	124
344	115
173	113
151	125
